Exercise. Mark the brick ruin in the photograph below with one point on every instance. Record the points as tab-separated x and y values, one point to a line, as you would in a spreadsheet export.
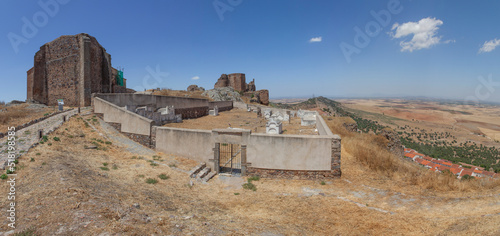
237	81
72	67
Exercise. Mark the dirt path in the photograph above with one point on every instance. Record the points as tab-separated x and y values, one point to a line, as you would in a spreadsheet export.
123	141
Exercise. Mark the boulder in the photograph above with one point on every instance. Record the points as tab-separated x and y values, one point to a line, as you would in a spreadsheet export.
264	96
222	94
194	87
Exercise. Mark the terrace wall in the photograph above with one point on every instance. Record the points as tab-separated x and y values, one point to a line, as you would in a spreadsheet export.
130	122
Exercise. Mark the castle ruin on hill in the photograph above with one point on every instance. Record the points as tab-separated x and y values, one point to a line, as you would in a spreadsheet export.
237	81
72	67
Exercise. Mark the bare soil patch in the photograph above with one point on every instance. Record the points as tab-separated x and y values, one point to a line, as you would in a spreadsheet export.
238	118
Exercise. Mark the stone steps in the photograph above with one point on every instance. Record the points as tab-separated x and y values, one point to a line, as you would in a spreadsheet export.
203	173
196	170
208	176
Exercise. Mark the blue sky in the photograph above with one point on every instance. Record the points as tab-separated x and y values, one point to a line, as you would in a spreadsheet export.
293	48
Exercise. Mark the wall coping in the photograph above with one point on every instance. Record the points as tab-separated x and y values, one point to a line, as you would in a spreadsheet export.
152	95
182	129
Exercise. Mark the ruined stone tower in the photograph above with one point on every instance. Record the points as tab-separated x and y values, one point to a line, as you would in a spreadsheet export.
72	67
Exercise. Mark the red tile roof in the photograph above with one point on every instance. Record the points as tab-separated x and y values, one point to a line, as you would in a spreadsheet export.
466	172
427	158
455	170
410	155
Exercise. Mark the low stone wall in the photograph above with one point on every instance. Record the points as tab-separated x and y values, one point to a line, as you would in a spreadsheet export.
131	122
123	99
142	139
221	105
190	113
19	127
292	174
321	126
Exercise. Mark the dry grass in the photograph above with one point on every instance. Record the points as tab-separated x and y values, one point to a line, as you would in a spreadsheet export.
370	150
239	118
70	194
20	114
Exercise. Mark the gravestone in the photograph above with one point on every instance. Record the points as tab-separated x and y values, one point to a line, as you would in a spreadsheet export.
273	127
307	120
267	113
214	112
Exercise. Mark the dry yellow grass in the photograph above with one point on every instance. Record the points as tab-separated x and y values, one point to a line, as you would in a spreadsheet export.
20	114
239	118
370	150
70	194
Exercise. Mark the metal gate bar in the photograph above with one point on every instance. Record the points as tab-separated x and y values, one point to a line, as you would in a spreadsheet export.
230	158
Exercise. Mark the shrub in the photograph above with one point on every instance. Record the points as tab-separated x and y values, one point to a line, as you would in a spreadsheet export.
153	164
104	168
322	183
105	164
4	176
115	167
108	143
467	177
163	176
32	159
141	176
256	178
151	181
57	139
249	186
50	144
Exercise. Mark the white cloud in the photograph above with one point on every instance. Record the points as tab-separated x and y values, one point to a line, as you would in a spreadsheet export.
196	78
489	46
424	34
316	39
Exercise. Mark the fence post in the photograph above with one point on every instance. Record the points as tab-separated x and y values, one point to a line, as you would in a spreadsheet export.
216	157
243	160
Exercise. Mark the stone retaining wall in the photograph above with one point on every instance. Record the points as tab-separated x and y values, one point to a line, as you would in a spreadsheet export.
193	112
19	127
145	140
292	174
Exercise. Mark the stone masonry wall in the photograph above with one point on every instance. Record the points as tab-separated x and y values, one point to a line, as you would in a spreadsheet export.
39	78
71	68
190	113
336	157
237	81
291	174
145	140
29	84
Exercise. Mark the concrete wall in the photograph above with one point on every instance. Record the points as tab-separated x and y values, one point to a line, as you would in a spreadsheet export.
321	125
222	105
146	99
289	152
130	122
190	143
